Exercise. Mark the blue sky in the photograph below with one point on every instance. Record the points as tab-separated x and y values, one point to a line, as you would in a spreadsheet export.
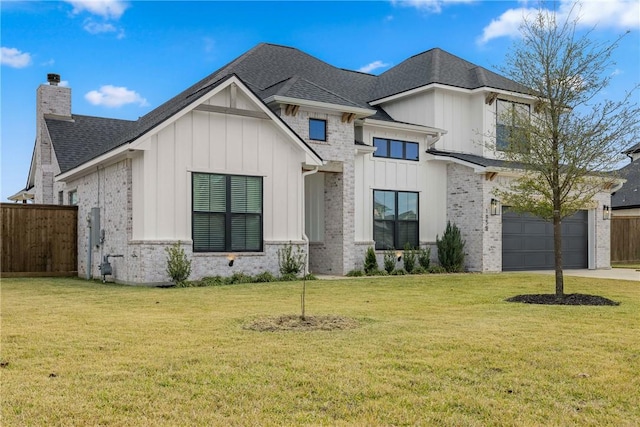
122	59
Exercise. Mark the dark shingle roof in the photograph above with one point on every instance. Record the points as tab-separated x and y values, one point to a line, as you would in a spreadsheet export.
268	70
629	195
438	66
83	138
634	149
474	159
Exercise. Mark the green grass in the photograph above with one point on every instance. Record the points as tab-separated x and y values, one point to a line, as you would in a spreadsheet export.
440	350
635	265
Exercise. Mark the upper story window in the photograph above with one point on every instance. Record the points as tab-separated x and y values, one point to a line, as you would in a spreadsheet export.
395	219
507	115
227	213
318	129
73	197
394	149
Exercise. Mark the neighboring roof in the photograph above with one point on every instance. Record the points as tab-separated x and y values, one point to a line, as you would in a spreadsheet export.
269	70
629	195
438	66
634	149
83	138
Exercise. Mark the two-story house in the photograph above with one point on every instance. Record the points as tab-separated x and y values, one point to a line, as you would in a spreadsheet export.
278	147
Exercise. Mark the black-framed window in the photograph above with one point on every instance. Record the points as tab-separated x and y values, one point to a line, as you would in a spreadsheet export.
227	213
507	115
318	129
61	197
395	219
395	149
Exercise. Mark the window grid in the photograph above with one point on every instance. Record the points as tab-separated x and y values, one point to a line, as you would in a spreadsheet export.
506	111
395	149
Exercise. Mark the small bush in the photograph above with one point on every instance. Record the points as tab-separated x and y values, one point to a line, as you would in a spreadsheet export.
213	281
290	262
290	277
370	261
389	261
265	277
399	272
355	273
310	277
437	269
409	258
424	258
238	278
377	272
178	266
419	270
451	249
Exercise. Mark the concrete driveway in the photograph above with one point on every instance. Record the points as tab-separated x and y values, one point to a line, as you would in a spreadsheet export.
613	273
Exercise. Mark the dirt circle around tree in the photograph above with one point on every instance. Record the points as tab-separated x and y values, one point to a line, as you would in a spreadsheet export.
568	299
295	322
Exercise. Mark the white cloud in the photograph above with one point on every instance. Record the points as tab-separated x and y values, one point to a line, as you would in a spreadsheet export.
12	57
114	96
622	14
373	66
433	6
108	9
93	27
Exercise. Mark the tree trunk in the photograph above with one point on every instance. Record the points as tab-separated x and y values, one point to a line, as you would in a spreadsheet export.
557	249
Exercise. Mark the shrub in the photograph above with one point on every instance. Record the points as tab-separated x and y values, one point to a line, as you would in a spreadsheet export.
290	277
355	273
377	272
389	261
424	258
239	277
437	269
419	270
310	277
213	281
178	266
370	261
409	258
290	262
265	277
451	249
399	272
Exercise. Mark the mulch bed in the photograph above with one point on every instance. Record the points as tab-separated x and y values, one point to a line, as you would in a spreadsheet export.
569	299
294	322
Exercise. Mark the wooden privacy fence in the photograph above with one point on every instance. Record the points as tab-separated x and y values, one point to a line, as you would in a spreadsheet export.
39	240
625	239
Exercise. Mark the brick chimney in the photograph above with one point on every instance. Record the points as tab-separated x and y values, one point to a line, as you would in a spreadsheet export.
52	102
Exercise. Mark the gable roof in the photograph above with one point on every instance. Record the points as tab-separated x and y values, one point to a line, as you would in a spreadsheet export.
632	150
268	70
629	195
441	67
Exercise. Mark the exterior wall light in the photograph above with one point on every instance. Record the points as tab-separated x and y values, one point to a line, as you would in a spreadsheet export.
495	207
231	259
399	255
606	212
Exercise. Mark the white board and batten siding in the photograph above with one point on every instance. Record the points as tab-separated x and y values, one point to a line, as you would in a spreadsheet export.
207	142
426	178
462	114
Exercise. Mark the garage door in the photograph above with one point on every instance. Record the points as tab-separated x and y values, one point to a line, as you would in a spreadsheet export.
527	242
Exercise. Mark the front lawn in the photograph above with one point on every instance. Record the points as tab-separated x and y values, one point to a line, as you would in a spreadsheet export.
431	350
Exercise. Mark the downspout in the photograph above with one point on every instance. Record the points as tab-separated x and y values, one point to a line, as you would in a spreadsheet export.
89	247
305	238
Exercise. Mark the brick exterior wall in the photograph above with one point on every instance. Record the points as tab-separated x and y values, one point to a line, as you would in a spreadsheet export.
50	100
336	254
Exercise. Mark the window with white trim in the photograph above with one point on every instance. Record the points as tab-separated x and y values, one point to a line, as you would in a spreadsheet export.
507	115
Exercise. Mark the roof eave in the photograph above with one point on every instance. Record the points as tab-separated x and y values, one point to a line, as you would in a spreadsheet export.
404	126
359	112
